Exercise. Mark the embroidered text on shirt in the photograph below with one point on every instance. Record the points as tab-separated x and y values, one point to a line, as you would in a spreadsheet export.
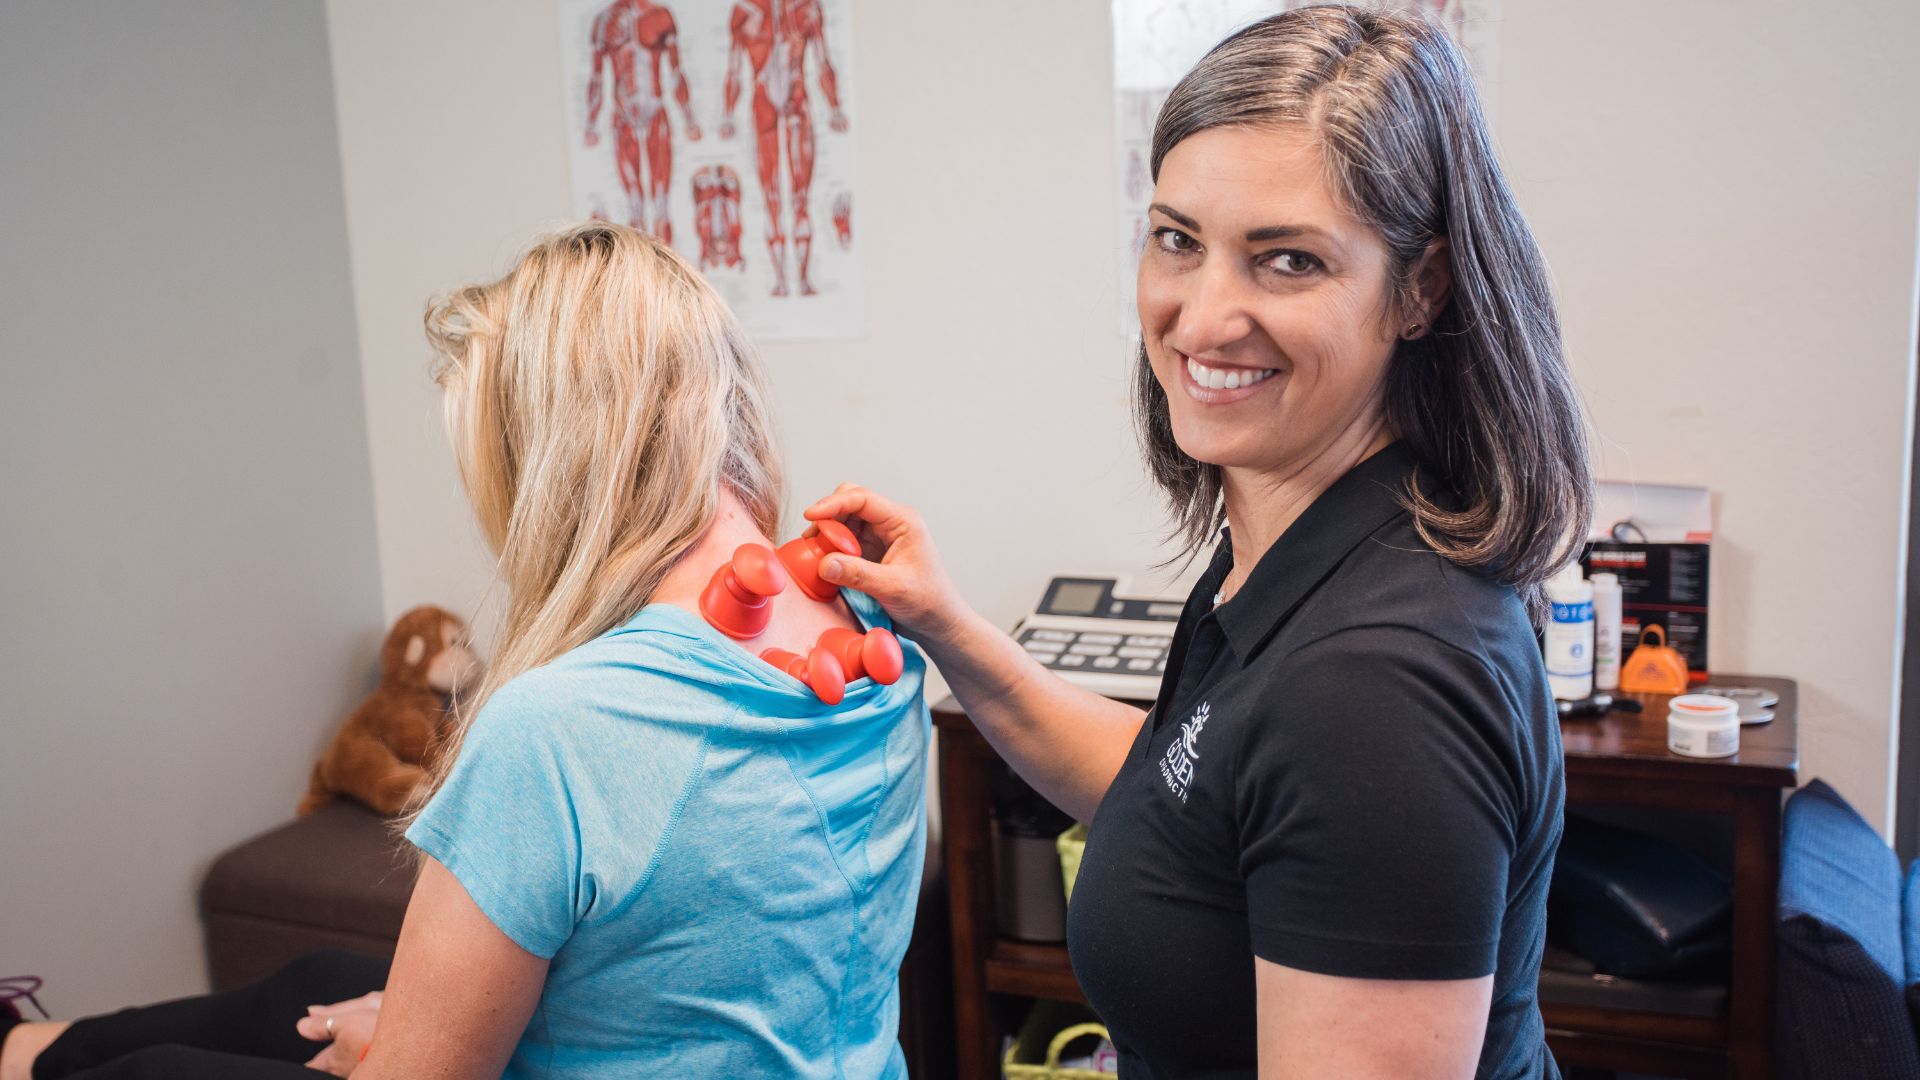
1176	766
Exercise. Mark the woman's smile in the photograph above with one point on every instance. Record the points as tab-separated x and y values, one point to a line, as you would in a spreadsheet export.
1217	382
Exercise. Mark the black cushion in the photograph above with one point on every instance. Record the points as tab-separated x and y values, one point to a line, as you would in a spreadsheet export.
1637	905
1842	972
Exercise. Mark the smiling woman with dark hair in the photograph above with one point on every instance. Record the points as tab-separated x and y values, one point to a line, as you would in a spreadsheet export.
1325	851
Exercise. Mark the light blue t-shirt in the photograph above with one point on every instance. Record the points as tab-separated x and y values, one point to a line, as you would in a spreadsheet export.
721	868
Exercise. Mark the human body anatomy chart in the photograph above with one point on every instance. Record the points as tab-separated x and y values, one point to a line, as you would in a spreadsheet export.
1155	42
725	128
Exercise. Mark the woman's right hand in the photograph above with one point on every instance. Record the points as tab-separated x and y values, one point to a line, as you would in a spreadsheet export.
346	1038
900	568
1066	741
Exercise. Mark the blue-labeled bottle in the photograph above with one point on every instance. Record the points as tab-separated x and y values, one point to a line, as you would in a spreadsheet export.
1569	637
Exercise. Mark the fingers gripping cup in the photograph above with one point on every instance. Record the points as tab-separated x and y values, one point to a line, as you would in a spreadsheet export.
819	669
802	557
735	600
875	653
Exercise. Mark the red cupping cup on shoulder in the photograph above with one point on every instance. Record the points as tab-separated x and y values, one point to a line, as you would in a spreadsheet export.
826	676
735	600
875	653
880	654
802	557
819	669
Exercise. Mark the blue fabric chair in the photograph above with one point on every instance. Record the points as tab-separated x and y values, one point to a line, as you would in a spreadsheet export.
1910	934
1843	964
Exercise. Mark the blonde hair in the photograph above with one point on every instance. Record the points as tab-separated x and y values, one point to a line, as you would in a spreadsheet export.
597	397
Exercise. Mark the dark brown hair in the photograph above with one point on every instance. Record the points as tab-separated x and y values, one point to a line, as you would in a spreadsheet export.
1484	398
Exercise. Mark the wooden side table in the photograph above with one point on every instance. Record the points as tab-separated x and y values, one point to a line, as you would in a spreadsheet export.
1620	759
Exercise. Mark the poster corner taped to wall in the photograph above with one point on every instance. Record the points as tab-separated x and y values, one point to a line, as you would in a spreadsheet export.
725	128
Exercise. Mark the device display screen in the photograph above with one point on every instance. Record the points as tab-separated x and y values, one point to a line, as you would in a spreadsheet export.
1075	598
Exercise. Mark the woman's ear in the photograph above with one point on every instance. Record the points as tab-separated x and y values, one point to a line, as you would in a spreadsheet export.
1432	280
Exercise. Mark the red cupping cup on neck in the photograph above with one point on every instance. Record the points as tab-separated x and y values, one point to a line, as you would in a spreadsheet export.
802	557
735	600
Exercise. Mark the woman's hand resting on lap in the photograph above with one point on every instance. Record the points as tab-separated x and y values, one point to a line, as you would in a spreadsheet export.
353	1023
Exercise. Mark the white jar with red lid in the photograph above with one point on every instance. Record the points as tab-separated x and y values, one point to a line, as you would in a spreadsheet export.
1703	725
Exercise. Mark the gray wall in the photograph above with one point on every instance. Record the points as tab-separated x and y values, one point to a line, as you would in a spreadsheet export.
189	592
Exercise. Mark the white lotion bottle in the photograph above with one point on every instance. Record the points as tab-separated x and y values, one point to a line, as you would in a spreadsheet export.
1606	632
1569	636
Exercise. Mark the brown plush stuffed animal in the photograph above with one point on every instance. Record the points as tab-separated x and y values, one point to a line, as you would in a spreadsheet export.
382	753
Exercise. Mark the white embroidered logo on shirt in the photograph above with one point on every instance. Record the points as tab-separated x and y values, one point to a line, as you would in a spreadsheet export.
1176	767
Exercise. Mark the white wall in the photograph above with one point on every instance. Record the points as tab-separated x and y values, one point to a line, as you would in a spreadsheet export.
1727	195
1726	192
188	593
991	387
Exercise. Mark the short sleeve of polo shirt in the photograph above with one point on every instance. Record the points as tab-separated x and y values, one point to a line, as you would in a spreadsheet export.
543	822
1376	808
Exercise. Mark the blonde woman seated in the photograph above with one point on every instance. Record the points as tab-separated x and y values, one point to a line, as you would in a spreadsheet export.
652	854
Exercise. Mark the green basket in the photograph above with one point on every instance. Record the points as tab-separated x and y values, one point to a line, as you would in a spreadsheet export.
1035	1053
1072	844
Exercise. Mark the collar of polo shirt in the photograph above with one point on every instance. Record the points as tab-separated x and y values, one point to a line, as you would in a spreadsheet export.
1354	508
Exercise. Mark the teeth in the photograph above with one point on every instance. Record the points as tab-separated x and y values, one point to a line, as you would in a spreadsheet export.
1226	378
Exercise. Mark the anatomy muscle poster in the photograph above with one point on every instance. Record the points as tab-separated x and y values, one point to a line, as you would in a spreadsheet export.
1155	42
725	127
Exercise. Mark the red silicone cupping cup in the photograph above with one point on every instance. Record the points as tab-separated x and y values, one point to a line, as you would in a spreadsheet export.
819	669
875	653
802	557
880	653
735	600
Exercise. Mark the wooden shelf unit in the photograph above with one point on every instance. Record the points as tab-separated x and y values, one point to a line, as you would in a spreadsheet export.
1619	759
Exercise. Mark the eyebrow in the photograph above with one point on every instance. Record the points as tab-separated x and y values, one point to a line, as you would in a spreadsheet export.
1254	236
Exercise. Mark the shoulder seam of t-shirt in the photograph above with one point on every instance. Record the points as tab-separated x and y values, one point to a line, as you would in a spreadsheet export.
1524	779
886	784
853	906
1239	745
1478	657
695	774
819	815
449	856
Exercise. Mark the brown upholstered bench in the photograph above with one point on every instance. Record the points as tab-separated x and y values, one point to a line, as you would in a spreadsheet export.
341	879
337	879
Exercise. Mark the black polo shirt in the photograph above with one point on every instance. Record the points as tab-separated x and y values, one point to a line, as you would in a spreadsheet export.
1353	768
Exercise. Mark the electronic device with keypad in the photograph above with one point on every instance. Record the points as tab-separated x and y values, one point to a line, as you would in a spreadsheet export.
1087	632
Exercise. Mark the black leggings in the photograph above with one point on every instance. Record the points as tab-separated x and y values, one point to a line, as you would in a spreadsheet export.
243	1034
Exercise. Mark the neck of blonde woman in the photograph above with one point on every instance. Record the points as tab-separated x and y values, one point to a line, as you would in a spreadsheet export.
732	526
797	620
